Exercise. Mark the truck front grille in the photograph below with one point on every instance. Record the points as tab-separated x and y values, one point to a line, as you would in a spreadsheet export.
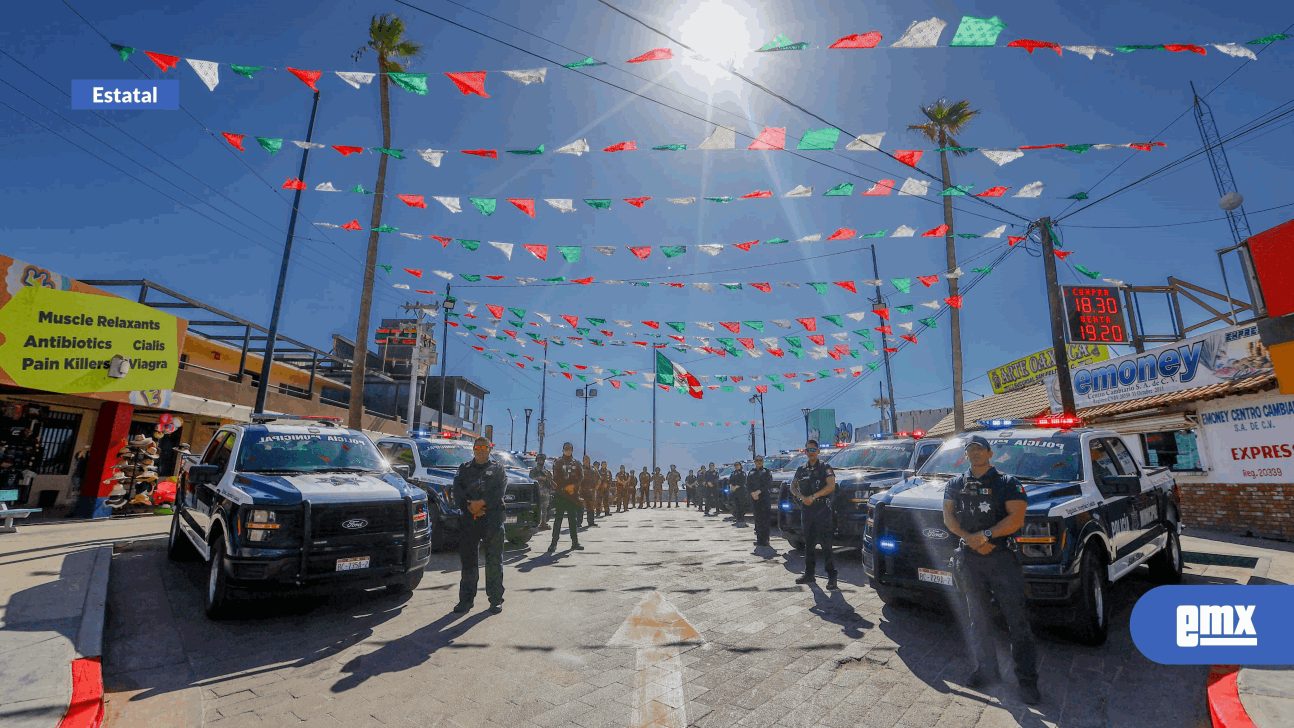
327	519
914	549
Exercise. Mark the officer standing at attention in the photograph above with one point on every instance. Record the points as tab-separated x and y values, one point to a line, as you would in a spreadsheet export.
567	476
479	487
622	489
544	478
589	490
631	493
608	488
713	491
672	477
760	485
644	488
813	484
737	491
690	483
983	507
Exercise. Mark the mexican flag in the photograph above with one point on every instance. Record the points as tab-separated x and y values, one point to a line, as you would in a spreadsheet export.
669	374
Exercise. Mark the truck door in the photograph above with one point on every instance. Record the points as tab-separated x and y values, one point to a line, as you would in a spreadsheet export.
1118	508
923	454
1146	516
218	453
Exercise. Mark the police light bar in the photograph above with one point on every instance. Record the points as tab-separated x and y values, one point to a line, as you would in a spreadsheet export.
1003	424
1064	422
914	434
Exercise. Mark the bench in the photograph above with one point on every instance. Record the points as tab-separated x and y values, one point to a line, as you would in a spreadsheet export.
7	514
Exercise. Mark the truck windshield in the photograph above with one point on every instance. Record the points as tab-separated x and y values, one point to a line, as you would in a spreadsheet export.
1053	459
882	455
443	456
776	462
307	452
796	462
507	460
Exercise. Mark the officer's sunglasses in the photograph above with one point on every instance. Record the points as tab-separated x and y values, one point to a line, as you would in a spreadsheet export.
810	449
480	447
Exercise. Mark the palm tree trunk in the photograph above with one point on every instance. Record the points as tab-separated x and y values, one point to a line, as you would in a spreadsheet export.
358	370
955	324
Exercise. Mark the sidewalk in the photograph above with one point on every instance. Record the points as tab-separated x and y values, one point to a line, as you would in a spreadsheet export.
53	588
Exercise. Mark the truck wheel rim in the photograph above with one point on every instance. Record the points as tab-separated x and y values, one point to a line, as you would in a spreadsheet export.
1175	552
1098	595
211	578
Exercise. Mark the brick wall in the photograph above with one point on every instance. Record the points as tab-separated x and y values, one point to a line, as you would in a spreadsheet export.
1261	510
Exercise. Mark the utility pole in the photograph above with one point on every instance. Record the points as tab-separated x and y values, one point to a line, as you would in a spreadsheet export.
586	394
762	425
444	356
752	440
880	301
417	359
525	443
1059	350
805	411
267	361
543	401
653	409
512	429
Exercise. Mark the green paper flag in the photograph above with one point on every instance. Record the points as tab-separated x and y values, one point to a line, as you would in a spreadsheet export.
359	190
976	32
756	325
270	144
930	323
411	82
719	199
469	244
386	267
727	342
821	288
528	152
780	387
835	319
844	189
486	205
644	284
470	327
673	251
864	333
582	378
518	312
514	356
570	252
680	348
721	377
397	153
903	284
824	372
587	62
964	150
1077	148
487	356
671	148
599	204
873	365
956	191
1259	41
676	325
472	278
781	43
985	270
582	332
245	70
868	346
731	286
877	234
967	235
793	342
1077	196
556	279
853	353
1131	48
123	51
727	388
597	322
821	140
1093	274
904	309
776	241
563	365
384	229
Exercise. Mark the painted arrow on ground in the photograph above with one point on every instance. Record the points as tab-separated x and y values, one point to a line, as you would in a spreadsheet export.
658	631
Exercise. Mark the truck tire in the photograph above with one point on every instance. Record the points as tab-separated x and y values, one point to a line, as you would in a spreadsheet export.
407	584
178	546
796	543
886	594
1166	566
218	596
1092	613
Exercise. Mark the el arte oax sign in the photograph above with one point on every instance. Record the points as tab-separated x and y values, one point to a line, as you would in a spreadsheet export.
58	335
1031	369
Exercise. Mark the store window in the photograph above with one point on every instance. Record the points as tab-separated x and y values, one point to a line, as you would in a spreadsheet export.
1175	449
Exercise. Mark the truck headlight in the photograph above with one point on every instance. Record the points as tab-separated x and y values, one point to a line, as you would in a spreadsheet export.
419	515
1039	540
261	524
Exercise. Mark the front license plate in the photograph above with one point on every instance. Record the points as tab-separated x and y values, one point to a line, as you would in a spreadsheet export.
937	577
509	520
353	563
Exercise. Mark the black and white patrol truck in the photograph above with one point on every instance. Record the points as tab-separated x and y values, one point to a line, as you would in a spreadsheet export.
1094	515
300	503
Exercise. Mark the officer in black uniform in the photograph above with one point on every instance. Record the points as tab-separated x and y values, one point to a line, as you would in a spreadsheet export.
567	477
737	494
479	488
760	485
689	483
710	478
983	507
813	484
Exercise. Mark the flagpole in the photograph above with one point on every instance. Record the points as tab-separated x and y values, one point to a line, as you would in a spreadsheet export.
543	400
653	408
894	419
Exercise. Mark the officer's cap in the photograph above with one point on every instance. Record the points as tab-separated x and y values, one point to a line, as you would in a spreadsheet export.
978	440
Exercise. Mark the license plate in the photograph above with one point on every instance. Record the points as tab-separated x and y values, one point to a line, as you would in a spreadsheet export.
937	577
353	563
509	519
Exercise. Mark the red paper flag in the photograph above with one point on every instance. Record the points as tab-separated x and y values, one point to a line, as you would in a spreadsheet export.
1030	45
954	301
651	324
582	281
352	225
909	157
1145	147
776	352
608	334
761	388
655	54
235	139
471	82
847	285
679	339
622	147
891	350
415	272
993	192
880	189
843	348
640	251
640	343
909	337
493	278
539	251
757	194
615	383
745	246
843	234
488	153
637	202
809	323
444	242
1044	146
885	330
1011	240
307	77
526	206
856	373
429	292
519	364
294	184
789	375
581	367
574	321
737	379
928	281
673	285
479	348
495	311
766	288
884	313
748	343
347	151
938	232
1179	47
818	339
771	137
166	62
567	375
413	201
733	326
513	334
1063	254
858	40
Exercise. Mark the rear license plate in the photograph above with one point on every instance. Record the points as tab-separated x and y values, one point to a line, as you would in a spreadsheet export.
353	563
937	577
509	520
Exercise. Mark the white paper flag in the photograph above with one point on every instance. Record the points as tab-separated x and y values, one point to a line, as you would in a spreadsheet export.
996	232
922	34
770	341
800	191
1033	189
471	305
856	315
954	273
326	187
797	384
841	336
1114	282
432	155
355	78
546	317
576	147
622	323
505	247
704	340
705	287
906	326
903	232
411	235
930	304
604	249
613	283
400	285
327	224
529	75
1002	156
681	200
855	370
1234	49
524	281
1089	51
649	376
450	203
707	325
788	284
865	143
784	323
308	145
207	71
915	188
444	274
744	390
724	137
710	248
810	238
754	354
562	204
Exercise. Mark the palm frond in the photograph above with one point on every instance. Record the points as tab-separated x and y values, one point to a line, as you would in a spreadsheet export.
929	131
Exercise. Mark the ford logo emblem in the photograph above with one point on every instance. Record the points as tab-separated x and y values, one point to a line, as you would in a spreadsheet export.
934	533
509	497
354	523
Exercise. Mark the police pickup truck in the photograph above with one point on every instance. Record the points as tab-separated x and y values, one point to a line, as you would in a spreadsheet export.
862	470
295	502
431	464
1094	515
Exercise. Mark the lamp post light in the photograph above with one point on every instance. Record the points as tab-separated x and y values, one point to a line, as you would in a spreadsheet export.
586	395
511	430
806	411
448	305
525	442
763	427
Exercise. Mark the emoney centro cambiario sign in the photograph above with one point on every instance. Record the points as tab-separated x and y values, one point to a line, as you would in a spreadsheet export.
63	341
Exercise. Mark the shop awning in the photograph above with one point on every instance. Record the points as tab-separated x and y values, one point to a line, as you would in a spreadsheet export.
1199	394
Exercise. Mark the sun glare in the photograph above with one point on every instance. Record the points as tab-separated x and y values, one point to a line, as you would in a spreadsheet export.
720	32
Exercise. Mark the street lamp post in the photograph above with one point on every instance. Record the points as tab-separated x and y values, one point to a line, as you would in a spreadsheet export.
805	411
444	356
511	430
762	426
525	442
586	395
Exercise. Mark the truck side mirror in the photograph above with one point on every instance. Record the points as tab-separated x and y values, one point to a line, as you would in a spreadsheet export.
203	475
403	470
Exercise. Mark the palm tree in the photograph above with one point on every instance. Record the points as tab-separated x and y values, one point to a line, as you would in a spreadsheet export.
386	38
881	403
943	120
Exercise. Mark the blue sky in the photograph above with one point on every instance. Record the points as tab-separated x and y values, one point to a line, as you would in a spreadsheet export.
65	209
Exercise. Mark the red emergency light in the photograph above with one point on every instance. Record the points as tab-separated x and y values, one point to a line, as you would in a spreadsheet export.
1064	422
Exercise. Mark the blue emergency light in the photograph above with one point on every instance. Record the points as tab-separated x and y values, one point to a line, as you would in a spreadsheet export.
1003	424
786	506
887	544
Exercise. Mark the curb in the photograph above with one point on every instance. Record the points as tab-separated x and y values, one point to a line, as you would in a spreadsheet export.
1225	707
86	707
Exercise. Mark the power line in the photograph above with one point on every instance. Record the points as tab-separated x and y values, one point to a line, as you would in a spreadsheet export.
1174	224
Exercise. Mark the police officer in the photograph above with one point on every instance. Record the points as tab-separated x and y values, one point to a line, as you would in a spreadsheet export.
813	484
589	490
631	489
544	478
983	507
567	476
479	488
658	484
644	488
606	488
737	494
690	483
760	485
672	477
710	489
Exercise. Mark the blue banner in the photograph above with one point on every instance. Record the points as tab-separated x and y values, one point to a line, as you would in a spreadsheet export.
100	94
1215	625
